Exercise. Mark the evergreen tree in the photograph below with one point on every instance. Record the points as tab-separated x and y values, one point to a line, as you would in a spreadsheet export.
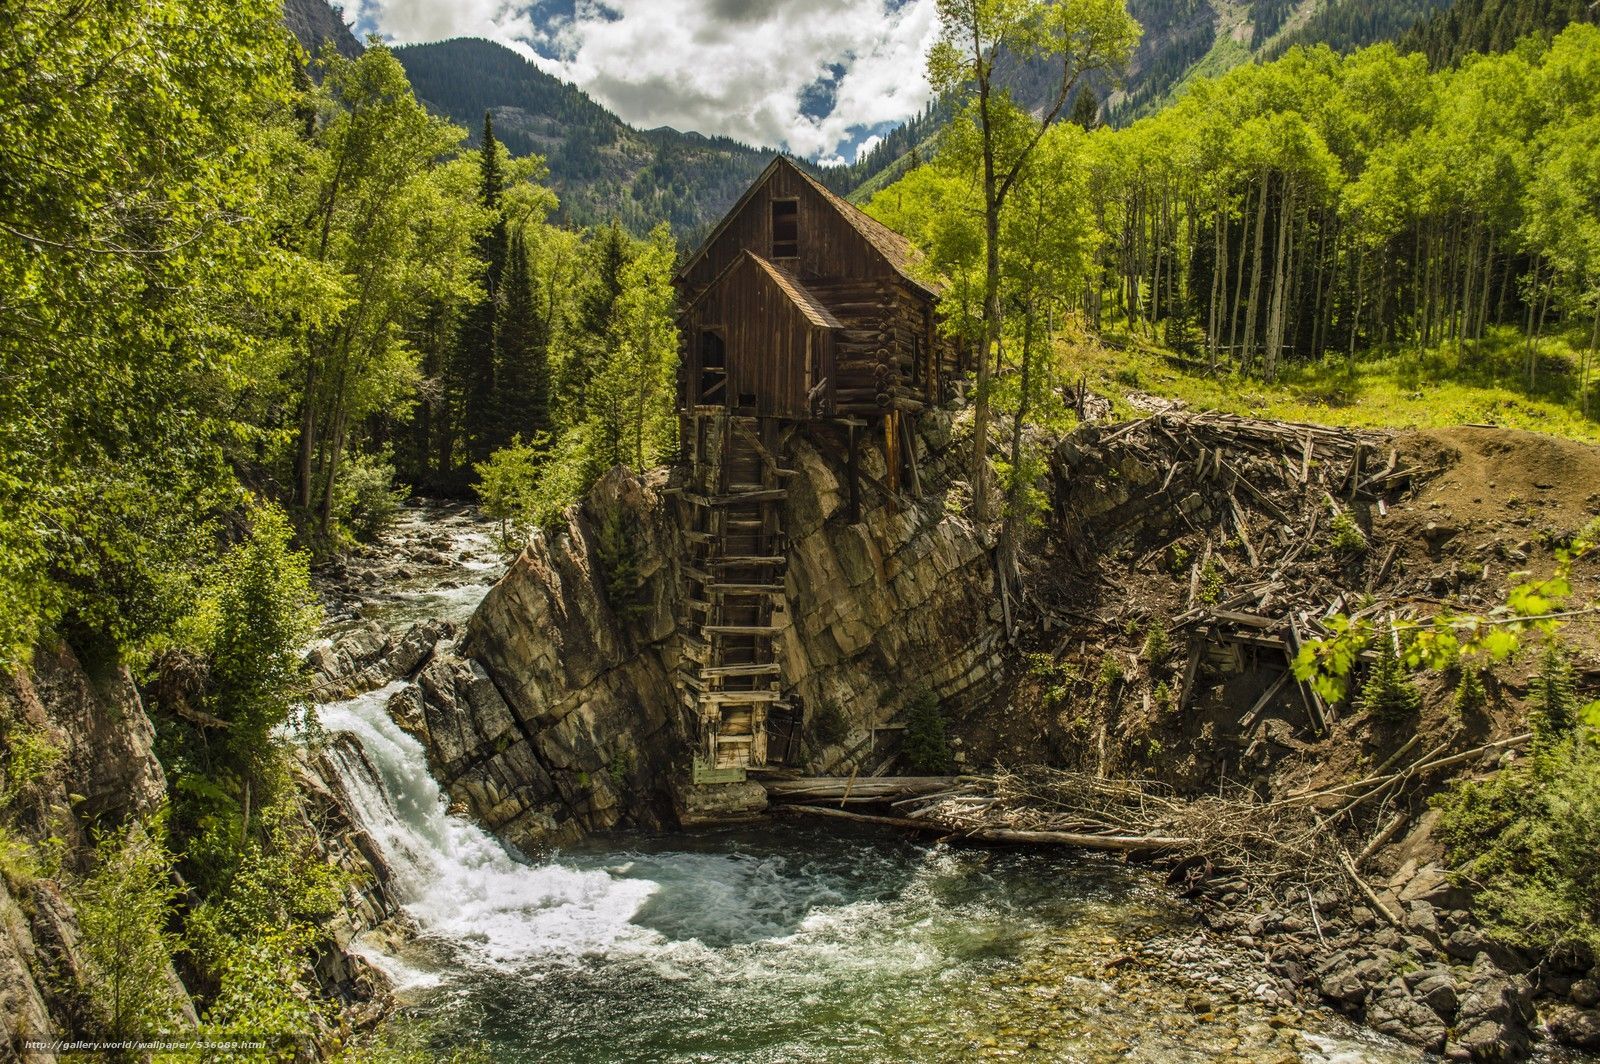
522	371
1389	695
609	253
476	352
1554	699
1086	109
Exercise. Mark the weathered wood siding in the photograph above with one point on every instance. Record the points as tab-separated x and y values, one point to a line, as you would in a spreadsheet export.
829	247
775	353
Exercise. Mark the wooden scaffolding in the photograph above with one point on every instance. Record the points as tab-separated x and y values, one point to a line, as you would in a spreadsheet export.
732	676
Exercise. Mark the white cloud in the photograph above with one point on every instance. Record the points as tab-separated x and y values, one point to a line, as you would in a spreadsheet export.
867	145
733	67
414	21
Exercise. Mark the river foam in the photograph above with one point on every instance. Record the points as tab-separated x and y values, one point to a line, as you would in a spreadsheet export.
456	881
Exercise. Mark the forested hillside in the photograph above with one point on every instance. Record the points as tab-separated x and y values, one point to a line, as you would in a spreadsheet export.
600	167
238	304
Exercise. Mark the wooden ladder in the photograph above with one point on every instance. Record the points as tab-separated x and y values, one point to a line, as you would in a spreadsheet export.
731	674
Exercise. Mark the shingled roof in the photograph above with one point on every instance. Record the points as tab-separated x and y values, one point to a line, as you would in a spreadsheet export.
896	250
802	299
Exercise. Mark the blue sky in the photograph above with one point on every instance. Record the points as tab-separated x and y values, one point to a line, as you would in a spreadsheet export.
818	77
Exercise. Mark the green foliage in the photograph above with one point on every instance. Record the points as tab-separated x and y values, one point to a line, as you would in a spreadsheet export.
1446	639
1388	695
619	565
1470	696
367	500
1157	643
1111	670
139	273
29	759
1212	581
255	937
1553	713
827	725
125	907
1345	535
254	610
927	750
1526	838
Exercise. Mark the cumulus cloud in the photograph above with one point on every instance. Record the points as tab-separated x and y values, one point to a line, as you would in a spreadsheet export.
749	69
414	21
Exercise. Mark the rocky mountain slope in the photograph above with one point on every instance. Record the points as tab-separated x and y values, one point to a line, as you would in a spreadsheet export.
315	23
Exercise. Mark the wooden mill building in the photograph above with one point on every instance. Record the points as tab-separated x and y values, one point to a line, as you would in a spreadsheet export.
798	312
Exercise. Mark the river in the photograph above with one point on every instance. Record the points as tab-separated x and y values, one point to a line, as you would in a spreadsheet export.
783	942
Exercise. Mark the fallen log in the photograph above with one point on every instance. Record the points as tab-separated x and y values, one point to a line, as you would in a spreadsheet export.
1114	843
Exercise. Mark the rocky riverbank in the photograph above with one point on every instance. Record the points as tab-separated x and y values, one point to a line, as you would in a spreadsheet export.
552	713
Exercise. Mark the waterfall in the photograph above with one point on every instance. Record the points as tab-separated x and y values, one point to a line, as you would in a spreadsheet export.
466	892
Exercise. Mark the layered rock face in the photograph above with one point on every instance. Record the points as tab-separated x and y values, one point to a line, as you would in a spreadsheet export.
559	715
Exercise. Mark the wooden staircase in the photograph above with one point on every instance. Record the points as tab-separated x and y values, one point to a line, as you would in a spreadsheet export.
731	675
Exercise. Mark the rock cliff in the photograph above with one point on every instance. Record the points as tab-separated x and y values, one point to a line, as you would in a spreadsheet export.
558	715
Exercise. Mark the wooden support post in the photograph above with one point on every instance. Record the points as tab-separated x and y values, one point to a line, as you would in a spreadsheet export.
852	469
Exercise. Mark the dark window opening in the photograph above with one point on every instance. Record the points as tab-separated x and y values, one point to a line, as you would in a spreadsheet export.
713	369
785	229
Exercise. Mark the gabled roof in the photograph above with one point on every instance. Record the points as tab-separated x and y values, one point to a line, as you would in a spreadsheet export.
803	300
895	249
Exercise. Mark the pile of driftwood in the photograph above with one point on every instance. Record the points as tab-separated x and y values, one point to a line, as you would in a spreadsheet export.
1281	849
1258	584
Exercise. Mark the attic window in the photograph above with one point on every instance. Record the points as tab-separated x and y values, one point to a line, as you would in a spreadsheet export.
785	228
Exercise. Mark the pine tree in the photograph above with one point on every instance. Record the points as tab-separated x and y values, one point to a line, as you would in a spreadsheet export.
1554	697
597	306
1086	109
476	352
1389	695
522	371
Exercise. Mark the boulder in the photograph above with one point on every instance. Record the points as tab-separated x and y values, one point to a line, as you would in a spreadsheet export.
1575	1027
1493	1016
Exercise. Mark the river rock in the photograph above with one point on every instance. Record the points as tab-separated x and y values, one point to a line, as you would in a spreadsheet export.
1576	1027
1394	1011
1493	1016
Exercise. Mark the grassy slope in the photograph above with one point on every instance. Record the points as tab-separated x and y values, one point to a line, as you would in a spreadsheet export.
1407	389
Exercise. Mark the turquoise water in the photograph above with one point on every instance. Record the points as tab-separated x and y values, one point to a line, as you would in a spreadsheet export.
794	942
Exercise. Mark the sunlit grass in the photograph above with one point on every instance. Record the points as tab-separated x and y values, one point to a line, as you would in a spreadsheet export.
1387	389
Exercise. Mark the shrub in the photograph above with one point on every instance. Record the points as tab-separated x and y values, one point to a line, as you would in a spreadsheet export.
255	938
1470	693
1111	670
927	749
1157	644
1555	699
1526	838
828	724
125	907
366	500
619	566
1211	583
1346	536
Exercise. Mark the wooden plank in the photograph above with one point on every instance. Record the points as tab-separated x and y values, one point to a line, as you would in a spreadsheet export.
768	669
1197	647
1266	698
740	629
737	697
